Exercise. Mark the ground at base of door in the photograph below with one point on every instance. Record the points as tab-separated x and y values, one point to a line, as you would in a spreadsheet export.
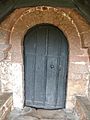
40	114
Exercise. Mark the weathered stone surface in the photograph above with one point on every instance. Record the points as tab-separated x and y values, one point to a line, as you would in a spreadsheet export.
18	84
26	118
86	39
82	108
80	22
78	67
4	51
5	104
4	47
41	114
51	114
89	53
6	76
10	20
3	55
77	87
80	58
4	36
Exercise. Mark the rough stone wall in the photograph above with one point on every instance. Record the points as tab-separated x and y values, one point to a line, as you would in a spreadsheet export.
12	31
5	76
89	74
6	82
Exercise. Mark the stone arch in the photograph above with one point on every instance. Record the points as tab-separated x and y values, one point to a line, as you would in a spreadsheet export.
40	15
29	18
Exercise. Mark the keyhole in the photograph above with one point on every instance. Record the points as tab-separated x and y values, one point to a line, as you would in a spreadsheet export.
51	66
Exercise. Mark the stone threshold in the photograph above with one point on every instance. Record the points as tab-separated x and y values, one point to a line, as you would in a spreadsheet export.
82	108
28	113
5	105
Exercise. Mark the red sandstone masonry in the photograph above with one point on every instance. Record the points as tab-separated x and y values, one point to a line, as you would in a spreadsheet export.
73	26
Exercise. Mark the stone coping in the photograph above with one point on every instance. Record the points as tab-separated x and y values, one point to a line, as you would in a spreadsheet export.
5	104
83	107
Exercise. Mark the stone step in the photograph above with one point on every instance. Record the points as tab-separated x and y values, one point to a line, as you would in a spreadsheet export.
5	105
82	108
40	114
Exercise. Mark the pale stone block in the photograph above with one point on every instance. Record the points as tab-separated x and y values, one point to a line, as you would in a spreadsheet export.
18	85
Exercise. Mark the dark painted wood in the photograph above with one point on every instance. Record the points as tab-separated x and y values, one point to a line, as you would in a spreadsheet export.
45	63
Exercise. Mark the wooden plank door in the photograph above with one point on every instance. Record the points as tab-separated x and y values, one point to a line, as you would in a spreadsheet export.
45	67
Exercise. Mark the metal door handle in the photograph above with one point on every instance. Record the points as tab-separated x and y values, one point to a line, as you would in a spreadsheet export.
51	66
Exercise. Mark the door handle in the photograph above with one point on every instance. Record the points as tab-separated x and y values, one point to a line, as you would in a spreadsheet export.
51	66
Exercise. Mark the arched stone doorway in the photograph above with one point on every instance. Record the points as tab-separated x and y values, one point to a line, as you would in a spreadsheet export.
59	18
